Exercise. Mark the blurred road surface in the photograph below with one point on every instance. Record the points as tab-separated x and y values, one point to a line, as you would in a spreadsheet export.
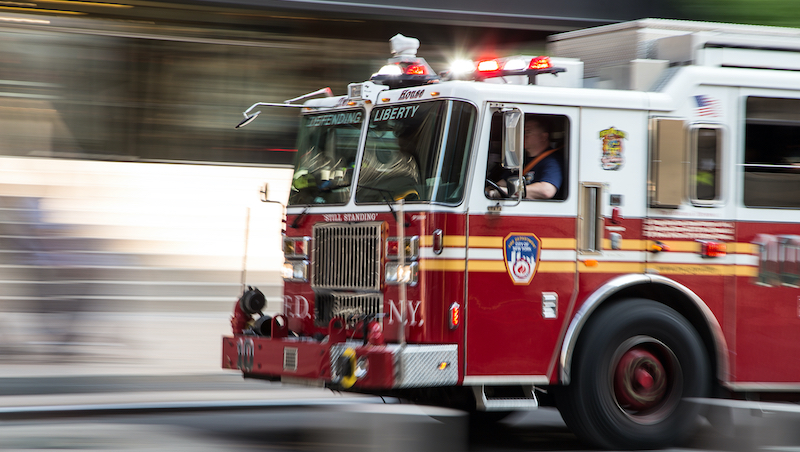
152	382
113	343
349	425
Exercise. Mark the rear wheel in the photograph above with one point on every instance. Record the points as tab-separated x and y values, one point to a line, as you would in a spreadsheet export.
635	363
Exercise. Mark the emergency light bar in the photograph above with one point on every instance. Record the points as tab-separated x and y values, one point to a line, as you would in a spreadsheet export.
403	72
503	67
405	68
516	65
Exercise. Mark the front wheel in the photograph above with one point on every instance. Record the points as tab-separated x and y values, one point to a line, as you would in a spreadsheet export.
635	364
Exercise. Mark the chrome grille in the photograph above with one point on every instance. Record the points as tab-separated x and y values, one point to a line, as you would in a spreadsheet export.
347	256
351	307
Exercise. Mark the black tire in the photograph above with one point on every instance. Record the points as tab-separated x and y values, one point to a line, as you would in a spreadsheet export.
635	363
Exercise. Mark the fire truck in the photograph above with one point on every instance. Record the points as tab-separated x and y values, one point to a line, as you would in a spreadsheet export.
663	271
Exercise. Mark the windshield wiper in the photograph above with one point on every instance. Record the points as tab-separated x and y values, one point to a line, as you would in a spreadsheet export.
386	197
329	186
325	187
298	220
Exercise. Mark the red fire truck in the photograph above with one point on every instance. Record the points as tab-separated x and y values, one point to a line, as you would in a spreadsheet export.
664	269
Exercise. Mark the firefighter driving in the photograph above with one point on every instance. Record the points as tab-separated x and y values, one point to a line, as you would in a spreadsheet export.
614	233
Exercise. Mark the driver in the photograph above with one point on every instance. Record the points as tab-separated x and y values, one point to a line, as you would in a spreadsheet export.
542	170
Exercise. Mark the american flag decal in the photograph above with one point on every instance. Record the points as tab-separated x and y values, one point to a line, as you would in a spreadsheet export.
706	106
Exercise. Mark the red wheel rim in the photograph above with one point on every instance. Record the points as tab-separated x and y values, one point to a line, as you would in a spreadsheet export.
646	379
640	380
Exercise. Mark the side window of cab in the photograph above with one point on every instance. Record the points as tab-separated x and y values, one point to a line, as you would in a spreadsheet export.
544	169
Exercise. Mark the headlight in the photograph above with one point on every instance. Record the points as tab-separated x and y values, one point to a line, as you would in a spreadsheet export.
295	271
396	273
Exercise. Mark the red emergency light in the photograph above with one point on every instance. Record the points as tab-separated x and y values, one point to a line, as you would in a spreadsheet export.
404	72
454	315
296	247
540	62
516	65
393	248
417	69
411	248
488	65
405	69
713	249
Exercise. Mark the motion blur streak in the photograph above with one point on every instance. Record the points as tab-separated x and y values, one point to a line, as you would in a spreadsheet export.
126	197
112	237
139	92
24	21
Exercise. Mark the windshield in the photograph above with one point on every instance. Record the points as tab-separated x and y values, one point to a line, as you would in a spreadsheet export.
417	152
326	153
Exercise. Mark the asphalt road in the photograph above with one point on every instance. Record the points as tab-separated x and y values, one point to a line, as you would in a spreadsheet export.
200	413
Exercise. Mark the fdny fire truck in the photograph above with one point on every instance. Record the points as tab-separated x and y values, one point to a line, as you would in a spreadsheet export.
663	271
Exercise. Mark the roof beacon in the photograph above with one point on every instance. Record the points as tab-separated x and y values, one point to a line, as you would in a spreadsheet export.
405	69
502	69
516	65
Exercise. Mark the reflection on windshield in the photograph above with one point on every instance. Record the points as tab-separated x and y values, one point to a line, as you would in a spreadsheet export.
326	153
417	152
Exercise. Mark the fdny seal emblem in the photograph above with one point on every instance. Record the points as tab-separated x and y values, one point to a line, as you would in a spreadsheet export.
612	148
521	254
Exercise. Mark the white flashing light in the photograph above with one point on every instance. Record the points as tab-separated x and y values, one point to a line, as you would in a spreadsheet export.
462	67
391	69
516	64
518	69
404	46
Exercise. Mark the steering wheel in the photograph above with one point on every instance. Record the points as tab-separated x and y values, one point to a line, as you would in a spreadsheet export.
490	184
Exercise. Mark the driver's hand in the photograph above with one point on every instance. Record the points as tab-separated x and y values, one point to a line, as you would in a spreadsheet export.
493	194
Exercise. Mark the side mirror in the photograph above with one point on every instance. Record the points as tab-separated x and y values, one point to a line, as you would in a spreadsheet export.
513	138
247	120
265	193
515	185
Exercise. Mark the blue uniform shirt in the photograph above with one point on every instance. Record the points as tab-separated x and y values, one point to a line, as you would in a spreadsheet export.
548	170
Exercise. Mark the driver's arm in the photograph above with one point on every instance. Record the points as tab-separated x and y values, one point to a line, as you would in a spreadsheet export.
540	190
548	178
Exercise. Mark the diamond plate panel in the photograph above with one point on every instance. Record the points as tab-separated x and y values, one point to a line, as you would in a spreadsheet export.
416	366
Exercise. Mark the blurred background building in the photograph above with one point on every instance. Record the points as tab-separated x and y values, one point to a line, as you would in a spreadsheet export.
124	187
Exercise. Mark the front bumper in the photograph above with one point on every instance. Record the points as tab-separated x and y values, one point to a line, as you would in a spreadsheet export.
343	364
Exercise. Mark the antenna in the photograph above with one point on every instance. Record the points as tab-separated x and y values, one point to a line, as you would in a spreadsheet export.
244	259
